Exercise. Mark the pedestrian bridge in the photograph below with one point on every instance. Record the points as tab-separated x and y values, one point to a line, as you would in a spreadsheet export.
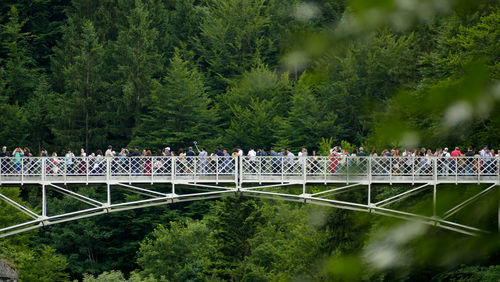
262	177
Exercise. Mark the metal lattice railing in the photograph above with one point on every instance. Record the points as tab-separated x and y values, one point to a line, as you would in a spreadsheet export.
250	169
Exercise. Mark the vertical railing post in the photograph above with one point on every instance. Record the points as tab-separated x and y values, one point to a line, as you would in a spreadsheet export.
130	169
456	170
479	168
369	169
240	167
304	174
260	169
325	166
282	169
347	170
42	173
172	169
65	170
412	170
87	172
236	171
108	169
152	169
195	161
390	170
434	169
497	159
217	170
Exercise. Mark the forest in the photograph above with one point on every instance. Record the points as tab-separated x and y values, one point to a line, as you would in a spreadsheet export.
262	73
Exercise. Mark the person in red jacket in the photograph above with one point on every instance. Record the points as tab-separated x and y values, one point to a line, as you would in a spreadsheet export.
456	164
456	152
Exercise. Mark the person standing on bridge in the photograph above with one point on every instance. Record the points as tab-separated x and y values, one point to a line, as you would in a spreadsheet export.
135	162
203	160
18	154
240	151
109	152
190	156
455	161
361	152
69	158
290	160
4	154
252	157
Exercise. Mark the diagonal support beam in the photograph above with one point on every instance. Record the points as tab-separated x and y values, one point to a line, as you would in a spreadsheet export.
19	206
208	186
336	189
77	196
268	186
398	197
143	190
465	203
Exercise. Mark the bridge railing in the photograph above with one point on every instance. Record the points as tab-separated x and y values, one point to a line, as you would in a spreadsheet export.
373	169
249	169
121	169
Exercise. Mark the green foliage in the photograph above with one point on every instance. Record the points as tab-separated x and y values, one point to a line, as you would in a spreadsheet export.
233	221
250	73
43	265
19	75
179	113
324	146
182	250
471	273
77	122
101	243
234	37
347	146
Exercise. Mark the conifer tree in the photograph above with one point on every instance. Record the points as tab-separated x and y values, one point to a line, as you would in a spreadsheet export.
19	77
81	122
180	110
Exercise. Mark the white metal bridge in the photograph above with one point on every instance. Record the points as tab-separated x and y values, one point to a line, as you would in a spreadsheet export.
263	177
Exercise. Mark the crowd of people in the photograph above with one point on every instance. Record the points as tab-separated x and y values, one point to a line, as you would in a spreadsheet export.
94	162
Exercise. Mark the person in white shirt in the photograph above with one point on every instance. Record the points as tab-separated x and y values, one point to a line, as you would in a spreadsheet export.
252	157
252	154
109	152
240	151
290	159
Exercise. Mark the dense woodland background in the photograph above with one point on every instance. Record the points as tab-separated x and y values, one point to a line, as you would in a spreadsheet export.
262	73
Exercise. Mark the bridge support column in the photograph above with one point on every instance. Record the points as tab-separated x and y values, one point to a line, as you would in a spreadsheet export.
173	188
434	198
108	194
44	201
369	194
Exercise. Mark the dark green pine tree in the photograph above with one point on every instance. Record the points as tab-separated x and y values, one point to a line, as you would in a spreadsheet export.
308	120
19	77
138	66
79	119
180	110
235	35
234	222
38	114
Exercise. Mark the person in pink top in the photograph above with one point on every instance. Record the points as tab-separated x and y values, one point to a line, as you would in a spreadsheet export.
456	163
456	152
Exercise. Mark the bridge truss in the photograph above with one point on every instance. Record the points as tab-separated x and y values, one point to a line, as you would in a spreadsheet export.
262	177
